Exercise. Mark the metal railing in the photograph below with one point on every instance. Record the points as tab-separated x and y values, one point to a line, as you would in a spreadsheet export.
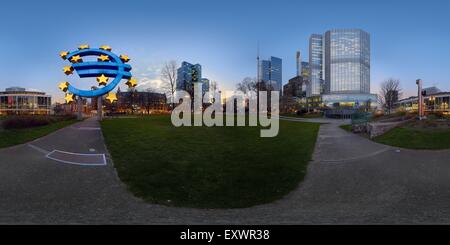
361	117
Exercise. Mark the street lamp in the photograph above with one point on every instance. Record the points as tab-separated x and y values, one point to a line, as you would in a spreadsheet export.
420	98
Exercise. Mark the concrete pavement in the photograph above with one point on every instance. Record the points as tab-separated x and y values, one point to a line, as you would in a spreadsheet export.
351	180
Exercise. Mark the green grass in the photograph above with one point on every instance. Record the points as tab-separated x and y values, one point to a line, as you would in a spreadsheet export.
347	127
20	136
310	115
218	167
416	138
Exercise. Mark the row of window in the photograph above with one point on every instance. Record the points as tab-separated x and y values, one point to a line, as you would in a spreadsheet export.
25	102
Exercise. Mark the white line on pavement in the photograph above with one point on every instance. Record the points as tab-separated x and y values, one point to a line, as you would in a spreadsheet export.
78	154
38	149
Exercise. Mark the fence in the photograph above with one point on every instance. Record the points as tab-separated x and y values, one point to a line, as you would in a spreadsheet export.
361	117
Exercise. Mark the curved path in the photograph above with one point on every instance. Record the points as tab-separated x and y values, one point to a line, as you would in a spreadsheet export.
350	181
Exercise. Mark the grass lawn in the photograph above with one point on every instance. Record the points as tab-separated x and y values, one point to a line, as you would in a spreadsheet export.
20	136
219	167
347	127
310	115
416	138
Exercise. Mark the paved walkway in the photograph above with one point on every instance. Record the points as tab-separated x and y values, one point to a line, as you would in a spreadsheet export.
351	180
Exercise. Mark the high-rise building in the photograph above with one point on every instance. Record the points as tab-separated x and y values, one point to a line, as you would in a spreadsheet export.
347	61
298	59
316	65
265	70
188	74
339	64
205	85
305	75
305	70
294	88
271	72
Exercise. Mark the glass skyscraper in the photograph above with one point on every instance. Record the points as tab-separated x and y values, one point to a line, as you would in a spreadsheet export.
339	68
265	70
316	65
305	70
187	75
347	61
271	72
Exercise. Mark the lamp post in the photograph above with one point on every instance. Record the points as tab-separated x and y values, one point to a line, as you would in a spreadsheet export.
99	108
80	108
420	99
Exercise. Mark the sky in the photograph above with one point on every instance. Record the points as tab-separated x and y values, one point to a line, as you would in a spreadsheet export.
409	39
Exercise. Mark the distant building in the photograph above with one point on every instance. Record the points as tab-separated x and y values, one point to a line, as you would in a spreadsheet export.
205	85
294	88
316	65
294	92
72	108
188	74
347	61
435	101
431	91
137	102
339	77
293	95
271	73
305	70
19	101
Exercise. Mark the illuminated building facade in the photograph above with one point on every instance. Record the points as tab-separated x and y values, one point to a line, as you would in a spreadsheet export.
19	101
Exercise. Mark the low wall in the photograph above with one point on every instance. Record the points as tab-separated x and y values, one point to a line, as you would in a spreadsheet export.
377	129
374	129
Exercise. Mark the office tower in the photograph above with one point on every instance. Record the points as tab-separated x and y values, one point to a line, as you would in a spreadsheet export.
298	58
305	70
271	72
187	75
316	65
205	85
265	70
347	61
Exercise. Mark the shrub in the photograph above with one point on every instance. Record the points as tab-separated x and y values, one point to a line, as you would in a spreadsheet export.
19	122
301	112
437	115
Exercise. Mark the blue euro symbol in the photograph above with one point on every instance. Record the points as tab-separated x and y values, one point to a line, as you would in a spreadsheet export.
114	69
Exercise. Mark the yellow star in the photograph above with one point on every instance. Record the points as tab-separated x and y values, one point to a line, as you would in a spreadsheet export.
84	46
102	80
69	98
124	58
103	58
131	83
106	47
111	97
76	59
63	54
68	70
63	86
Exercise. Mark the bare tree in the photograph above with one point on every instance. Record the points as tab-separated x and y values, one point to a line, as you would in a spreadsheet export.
247	85
169	78
147	97
214	86
390	92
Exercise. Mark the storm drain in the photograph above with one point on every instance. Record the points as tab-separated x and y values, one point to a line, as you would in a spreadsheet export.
78	158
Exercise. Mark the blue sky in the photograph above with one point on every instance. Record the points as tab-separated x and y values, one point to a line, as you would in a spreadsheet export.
410	39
